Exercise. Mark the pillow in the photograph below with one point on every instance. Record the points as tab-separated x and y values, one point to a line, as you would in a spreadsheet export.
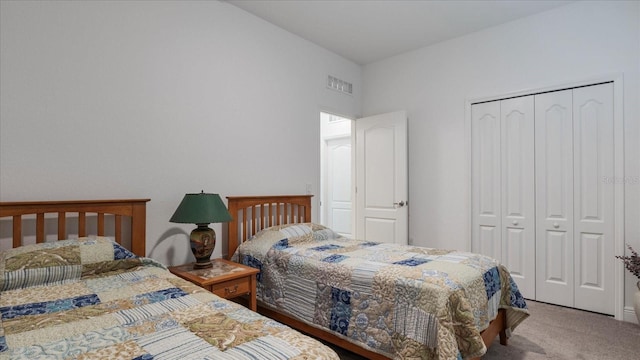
64	260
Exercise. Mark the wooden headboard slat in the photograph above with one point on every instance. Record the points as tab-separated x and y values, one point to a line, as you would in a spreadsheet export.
40	227
82	224
17	231
101	224
138	226
62	225
254	218
133	208
289	209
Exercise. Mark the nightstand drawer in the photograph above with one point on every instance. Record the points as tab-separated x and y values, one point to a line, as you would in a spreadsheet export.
232	288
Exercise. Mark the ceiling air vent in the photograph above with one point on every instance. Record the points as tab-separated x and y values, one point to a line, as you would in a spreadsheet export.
340	85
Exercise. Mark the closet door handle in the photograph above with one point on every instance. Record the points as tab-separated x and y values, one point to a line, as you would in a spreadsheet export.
515	222
556	225
400	204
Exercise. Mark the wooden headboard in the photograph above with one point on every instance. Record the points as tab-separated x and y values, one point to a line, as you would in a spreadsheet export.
253	213
133	208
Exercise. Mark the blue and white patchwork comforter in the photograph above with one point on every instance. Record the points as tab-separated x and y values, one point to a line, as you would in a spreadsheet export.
91	299
399	301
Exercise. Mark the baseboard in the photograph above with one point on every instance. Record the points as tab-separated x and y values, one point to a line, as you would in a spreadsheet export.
629	315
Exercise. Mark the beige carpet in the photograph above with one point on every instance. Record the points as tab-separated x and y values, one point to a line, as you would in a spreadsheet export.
554	332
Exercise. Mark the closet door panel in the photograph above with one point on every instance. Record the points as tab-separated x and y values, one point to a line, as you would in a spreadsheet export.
594	197
554	197
518	210
485	168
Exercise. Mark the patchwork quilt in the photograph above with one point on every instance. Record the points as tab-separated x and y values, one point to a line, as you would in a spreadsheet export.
91	299
399	301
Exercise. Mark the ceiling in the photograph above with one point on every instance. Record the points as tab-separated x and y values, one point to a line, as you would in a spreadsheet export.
366	31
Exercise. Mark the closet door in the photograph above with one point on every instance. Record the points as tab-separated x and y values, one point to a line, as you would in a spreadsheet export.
594	197
554	197
486	188
518	189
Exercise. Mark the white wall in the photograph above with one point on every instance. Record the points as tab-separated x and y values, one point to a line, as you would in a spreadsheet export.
157	99
572	43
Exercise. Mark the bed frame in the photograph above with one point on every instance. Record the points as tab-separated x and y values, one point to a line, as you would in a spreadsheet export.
254	213
135	209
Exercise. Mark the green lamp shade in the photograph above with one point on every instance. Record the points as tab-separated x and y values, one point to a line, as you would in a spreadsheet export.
201	209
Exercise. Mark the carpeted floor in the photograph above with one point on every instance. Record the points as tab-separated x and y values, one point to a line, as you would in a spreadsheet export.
555	332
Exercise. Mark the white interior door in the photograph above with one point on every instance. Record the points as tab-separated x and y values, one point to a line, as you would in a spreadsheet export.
382	178
554	197
486	184
339	185
518	192
593	197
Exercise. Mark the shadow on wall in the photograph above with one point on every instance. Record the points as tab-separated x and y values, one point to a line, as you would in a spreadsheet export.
171	252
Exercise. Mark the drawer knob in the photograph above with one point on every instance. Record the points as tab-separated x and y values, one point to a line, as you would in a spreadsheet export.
228	291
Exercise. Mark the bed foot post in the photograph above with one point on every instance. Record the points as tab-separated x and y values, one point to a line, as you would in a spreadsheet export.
503	337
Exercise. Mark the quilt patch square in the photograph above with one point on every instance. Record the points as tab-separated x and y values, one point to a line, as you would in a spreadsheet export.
362	276
10	312
341	310
326	247
144	357
301	296
61	256
335	258
369	244
516	298
224	332
412	262
254	263
282	244
296	230
416	324
491	281
160	295
176	343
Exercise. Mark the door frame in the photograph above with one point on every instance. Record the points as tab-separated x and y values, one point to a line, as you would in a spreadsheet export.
620	312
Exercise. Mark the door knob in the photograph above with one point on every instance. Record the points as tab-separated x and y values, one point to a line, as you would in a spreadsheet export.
400	204
556	225
515	222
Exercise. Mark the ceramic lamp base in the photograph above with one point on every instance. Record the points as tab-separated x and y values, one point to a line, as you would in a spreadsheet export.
203	241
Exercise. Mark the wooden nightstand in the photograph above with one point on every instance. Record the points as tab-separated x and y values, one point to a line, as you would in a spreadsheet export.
226	279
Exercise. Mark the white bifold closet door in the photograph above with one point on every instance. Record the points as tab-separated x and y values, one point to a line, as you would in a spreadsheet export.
554	192
541	202
486	185
503	186
575	202
518	188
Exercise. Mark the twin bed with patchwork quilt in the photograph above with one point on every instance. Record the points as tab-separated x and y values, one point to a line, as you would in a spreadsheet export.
90	298
378	300
400	301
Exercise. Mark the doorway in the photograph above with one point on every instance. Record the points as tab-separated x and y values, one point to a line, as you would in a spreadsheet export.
336	203
364	176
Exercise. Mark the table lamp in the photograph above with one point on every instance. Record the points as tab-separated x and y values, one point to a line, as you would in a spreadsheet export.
201	209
